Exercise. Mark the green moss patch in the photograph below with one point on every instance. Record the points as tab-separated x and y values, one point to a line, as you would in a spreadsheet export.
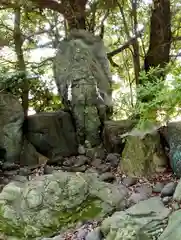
89	209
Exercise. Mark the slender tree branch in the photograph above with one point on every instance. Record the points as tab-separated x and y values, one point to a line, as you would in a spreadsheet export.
125	45
49	4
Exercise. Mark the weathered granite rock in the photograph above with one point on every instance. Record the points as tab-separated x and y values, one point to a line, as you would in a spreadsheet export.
143	154
53	202
96	152
173	137
83	79
169	189
112	134
11	124
94	235
29	155
173	230
177	193
145	220
52	134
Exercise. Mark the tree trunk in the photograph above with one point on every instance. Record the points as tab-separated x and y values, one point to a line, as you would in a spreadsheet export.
18	41
135	44
160	35
72	10
160	41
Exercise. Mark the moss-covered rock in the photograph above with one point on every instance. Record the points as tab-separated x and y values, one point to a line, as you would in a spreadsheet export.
143	221
128	230
143	154
54	202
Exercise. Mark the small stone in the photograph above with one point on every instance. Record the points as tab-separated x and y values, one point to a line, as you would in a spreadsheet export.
168	189
19	178
107	177
80	169
56	160
123	189
144	189
80	160
100	153
96	162
5	181
69	162
113	159
137	197
175	206
82	233
74	169
87	144
11	173
24	171
158	187
90	153
81	150
48	169
94	235
166	199
8	166
97	152
129	181
103	168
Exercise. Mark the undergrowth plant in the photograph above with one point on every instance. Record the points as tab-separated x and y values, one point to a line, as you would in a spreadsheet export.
165	96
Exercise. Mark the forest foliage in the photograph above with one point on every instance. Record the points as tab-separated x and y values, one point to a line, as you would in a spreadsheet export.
30	34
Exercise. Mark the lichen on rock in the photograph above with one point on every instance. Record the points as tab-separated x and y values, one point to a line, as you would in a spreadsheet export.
143	154
54	202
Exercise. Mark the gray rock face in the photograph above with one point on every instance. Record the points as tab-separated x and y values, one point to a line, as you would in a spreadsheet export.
94	235
11	123
168	189
173	230
129	181
145	220
173	137
158	187
143	154
52	134
29	156
112	134
83	80
50	203
177	193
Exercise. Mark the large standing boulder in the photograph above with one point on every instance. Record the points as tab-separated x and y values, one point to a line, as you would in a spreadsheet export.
52	134
11	126
172	133
112	134
143	221
83	79
143	154
49	203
